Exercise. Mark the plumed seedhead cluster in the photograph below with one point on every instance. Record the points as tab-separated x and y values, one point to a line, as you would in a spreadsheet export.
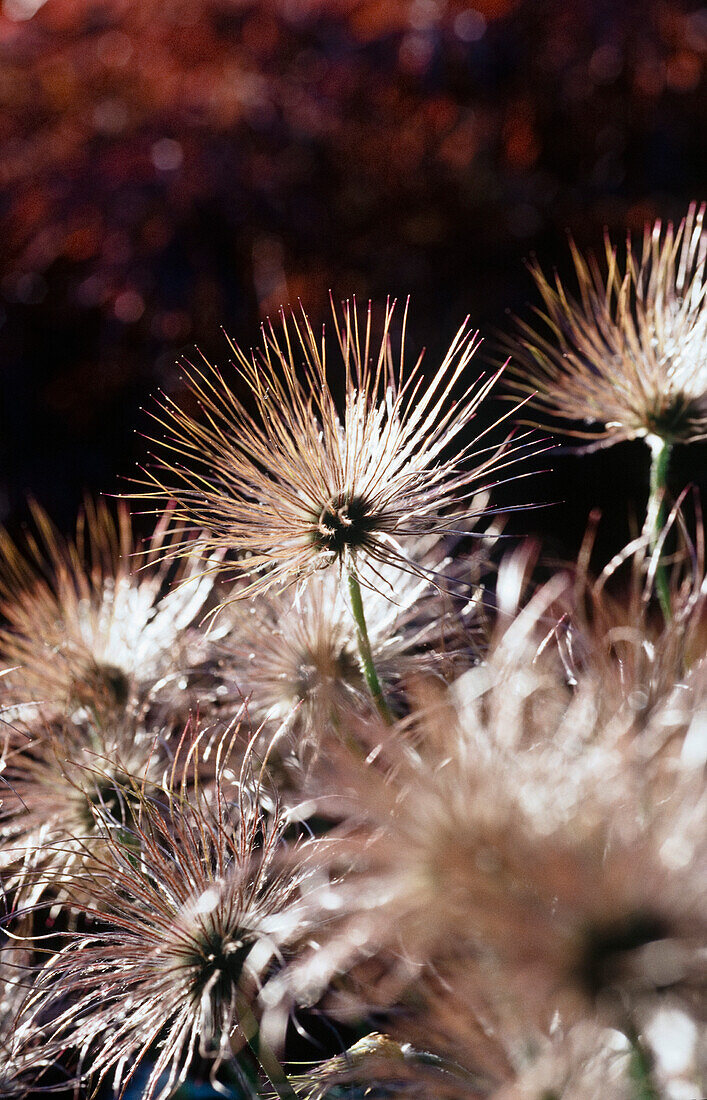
519	862
98	655
193	911
364	772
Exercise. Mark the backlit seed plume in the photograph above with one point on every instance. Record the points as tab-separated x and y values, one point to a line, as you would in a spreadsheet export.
295	486
578	629
193	909
86	628
63	789
24	1054
628	357
586	1063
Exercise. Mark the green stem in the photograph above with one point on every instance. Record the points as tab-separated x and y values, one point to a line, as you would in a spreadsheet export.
364	648
640	1070
241	1080
656	513
264	1054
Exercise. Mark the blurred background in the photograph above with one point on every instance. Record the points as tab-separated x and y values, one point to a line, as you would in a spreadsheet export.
169	167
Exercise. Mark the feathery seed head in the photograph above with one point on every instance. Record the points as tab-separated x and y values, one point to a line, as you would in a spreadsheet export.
87	634
516	862
628	356
65	788
583	1063
296	487
607	629
24	1054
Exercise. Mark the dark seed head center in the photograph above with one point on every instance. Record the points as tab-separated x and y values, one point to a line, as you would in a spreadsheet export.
221	958
324	669
604	945
343	523
113	796
673	418
101	685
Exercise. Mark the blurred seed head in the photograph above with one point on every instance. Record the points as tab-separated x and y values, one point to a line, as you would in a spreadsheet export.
514	863
294	654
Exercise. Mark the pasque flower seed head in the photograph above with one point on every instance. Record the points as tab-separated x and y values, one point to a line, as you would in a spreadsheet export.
290	485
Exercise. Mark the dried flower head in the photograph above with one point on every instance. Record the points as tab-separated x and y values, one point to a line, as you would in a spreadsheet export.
628	356
579	629
63	790
85	632
295	487
378	1068
584	1064
193	909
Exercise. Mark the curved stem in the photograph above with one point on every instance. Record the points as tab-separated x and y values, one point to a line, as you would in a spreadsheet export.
364	647
656	513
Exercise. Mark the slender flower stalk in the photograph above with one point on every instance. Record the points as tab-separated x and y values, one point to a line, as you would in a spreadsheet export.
640	1070
656	512
364	646
249	1027
293	656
